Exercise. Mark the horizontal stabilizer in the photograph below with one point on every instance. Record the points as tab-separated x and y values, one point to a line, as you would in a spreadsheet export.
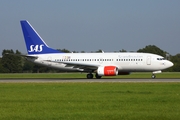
20	55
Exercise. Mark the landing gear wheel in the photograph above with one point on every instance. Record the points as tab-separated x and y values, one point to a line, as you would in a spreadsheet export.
89	76
97	76
153	76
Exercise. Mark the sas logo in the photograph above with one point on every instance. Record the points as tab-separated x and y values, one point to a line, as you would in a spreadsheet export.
36	48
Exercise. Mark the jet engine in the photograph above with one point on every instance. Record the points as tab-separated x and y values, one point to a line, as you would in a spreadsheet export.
107	71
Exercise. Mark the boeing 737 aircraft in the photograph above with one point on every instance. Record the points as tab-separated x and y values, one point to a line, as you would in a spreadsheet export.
102	64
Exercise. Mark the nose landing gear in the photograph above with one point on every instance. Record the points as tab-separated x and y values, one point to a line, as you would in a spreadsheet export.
155	72
153	76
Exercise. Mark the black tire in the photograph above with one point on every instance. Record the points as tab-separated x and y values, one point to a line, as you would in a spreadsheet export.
97	76
89	76
153	76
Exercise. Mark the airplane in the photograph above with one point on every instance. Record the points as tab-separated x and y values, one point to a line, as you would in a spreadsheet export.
102	64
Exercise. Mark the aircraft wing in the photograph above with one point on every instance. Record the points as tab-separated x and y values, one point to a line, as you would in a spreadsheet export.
78	65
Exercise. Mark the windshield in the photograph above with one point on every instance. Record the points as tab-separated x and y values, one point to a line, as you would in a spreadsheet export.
160	58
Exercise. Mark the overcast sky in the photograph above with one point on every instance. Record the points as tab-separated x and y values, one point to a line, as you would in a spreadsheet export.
90	25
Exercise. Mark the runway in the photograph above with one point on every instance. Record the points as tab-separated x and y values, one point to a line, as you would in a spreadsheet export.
84	80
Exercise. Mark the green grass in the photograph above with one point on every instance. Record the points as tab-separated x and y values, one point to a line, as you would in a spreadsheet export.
89	101
83	75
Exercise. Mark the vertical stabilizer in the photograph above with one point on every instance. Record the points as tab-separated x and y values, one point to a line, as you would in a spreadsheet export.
34	43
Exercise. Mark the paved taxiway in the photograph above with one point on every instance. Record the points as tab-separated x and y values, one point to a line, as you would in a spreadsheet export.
84	80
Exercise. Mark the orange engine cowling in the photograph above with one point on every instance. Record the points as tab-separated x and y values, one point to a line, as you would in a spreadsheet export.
107	71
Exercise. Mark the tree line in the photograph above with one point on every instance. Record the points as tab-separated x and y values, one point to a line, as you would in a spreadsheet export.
16	64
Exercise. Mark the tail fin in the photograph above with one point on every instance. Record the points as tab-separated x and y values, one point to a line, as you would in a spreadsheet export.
34	43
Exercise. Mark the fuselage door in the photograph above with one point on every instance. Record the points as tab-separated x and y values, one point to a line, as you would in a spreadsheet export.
148	60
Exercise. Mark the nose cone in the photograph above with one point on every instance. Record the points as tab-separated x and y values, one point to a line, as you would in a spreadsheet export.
169	64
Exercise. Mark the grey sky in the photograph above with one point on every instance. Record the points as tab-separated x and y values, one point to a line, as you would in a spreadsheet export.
90	25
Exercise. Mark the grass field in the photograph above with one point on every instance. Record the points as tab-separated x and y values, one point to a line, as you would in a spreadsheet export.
89	101
98	101
83	75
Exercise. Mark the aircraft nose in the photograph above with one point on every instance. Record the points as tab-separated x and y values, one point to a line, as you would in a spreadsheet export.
169	64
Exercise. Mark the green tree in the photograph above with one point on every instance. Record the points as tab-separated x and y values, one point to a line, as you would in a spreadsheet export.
176	60
11	63
1	66
153	49
122	50
28	66
43	69
99	51
64	50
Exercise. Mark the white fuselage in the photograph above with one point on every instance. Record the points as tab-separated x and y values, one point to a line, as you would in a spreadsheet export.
103	64
130	62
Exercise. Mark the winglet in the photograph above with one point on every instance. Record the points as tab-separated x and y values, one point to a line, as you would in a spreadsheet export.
34	43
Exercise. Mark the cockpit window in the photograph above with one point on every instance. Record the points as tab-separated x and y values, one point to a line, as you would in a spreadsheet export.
160	58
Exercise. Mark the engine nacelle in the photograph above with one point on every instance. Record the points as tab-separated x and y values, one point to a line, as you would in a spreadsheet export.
107	71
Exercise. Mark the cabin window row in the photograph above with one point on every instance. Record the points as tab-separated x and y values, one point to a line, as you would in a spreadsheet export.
129	59
60	60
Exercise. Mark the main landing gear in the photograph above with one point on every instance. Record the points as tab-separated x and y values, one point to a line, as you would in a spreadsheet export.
97	76
90	76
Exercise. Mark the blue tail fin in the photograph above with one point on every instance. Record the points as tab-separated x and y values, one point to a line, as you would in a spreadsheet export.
34	43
